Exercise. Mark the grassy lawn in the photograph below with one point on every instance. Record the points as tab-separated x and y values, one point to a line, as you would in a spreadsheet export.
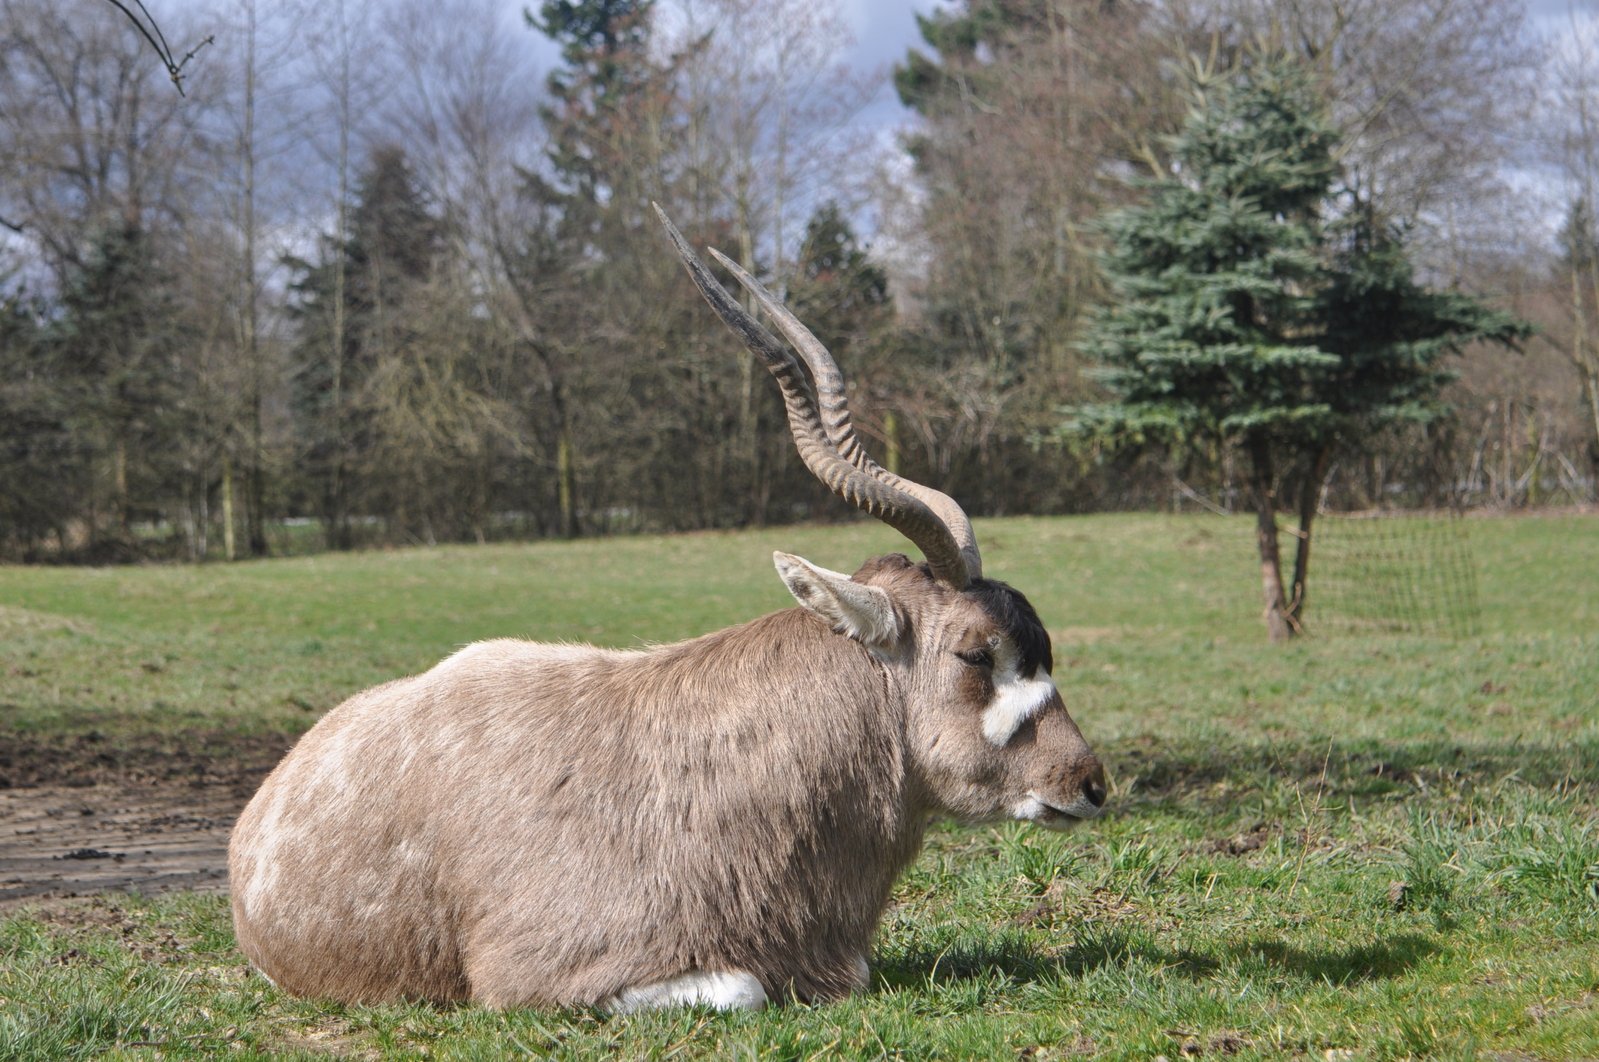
1359	846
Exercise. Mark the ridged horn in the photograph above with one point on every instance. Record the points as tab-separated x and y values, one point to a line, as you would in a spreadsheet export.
902	511
833	403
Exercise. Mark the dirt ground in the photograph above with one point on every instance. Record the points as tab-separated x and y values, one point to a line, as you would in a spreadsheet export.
92	815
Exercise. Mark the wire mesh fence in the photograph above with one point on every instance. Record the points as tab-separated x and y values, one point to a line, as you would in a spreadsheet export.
1381	572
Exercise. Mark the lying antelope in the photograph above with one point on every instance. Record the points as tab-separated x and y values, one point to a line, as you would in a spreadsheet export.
718	821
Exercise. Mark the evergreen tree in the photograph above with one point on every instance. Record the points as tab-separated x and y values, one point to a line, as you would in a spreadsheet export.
604	44
838	291
116	336
351	313
1029	109
593	215
1254	309
44	469
843	297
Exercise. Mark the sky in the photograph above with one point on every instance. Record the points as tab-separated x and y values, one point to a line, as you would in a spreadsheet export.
884	30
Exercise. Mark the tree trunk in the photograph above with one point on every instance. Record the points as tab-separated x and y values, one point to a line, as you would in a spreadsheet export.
1309	497
1590	391
1278	626
227	509
119	489
254	487
566	481
202	521
342	534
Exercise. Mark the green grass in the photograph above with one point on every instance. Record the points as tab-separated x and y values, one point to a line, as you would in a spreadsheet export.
1353	847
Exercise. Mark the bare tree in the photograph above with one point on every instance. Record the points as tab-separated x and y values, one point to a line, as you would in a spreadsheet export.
87	137
769	108
1435	98
469	106
101	190
1574	113
1033	114
139	18
260	143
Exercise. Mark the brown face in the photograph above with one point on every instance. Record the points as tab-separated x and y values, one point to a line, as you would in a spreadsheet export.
989	734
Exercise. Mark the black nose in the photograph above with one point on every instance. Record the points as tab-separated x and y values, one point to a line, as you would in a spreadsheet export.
1094	787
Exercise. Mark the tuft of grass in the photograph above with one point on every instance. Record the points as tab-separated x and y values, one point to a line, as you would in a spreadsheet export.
1353	847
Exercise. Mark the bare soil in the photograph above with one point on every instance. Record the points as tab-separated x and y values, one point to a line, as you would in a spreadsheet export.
90	814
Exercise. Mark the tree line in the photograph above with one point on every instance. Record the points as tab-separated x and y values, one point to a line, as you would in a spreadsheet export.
376	276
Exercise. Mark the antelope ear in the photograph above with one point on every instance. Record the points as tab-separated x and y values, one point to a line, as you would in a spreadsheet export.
865	613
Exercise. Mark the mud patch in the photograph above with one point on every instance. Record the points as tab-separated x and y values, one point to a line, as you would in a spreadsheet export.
91	815
58	842
94	758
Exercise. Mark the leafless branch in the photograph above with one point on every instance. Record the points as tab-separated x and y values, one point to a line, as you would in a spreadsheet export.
150	30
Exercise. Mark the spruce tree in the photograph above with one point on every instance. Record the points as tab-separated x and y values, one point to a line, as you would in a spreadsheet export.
46	471
116	337
593	199
843	296
1255	307
596	99
349	315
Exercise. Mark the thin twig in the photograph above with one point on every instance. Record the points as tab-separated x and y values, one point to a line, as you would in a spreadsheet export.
158	41
1190	492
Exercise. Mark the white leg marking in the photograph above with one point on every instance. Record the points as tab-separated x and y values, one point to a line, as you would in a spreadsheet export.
731	990
863	973
1016	700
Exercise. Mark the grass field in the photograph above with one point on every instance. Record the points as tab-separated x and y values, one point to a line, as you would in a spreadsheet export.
1353	847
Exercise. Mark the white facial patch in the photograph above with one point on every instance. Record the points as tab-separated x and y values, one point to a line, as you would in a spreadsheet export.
1016	700
732	990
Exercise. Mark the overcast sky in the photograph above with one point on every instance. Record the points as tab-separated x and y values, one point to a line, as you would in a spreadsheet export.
885	29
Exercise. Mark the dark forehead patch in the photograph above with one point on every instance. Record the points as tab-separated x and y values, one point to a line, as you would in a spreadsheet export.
1013	614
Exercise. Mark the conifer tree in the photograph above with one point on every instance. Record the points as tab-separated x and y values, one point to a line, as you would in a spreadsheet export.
843	296
593	200
346	321
44	469
1254	307
604	44
837	286
116	339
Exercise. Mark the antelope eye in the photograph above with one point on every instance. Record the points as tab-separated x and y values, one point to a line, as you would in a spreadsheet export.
983	658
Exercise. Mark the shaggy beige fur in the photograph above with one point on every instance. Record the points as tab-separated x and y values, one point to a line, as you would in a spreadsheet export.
536	824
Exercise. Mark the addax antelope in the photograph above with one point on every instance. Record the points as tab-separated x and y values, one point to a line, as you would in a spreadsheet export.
717	821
